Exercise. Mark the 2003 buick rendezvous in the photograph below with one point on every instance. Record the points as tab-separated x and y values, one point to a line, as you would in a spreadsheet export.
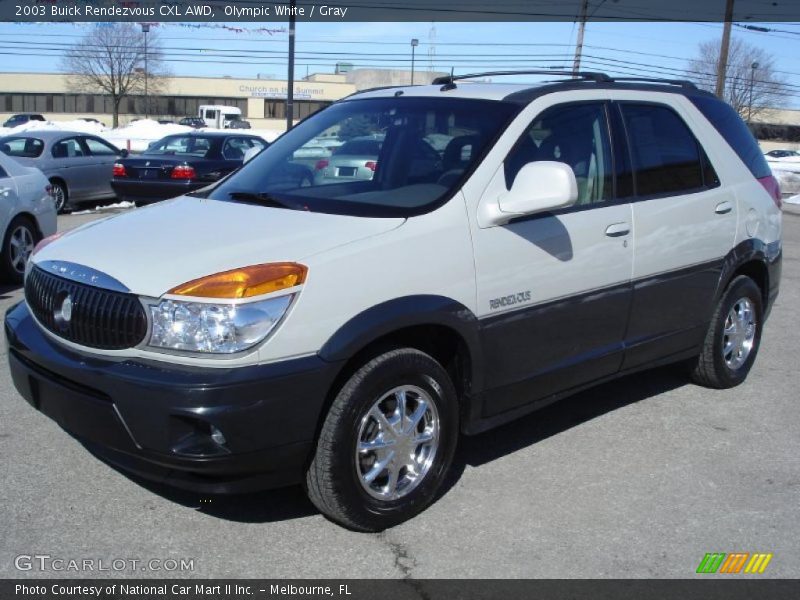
515	244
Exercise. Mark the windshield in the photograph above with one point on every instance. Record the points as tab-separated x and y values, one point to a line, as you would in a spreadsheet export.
182	145
374	157
22	147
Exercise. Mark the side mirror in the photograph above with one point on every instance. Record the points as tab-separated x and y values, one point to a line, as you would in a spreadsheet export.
124	153
539	187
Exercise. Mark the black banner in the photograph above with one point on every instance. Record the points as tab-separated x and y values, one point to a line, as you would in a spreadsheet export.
754	11
405	589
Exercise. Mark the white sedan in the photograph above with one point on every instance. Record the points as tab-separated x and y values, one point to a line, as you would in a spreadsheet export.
27	214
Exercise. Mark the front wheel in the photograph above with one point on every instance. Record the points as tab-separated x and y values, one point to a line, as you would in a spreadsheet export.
386	443
733	337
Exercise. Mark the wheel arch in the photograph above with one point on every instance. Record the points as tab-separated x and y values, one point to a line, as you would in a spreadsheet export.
750	258
436	325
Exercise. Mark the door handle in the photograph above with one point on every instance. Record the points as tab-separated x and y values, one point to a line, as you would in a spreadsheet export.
4	190
723	208
618	229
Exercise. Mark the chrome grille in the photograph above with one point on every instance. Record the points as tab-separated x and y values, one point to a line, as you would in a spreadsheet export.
100	318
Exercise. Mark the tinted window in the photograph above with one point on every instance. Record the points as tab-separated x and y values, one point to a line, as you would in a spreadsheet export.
576	135
666	156
3	173
100	148
22	147
68	148
732	128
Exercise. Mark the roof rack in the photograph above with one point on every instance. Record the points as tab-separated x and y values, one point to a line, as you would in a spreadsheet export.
448	81
681	82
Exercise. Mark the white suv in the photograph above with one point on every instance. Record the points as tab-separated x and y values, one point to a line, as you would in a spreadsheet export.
515	244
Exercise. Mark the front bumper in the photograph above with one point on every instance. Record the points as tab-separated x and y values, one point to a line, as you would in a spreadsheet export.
153	418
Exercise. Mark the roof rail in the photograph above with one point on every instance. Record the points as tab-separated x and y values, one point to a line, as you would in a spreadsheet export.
448	81
681	82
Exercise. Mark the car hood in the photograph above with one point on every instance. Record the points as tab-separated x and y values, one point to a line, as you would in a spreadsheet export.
153	249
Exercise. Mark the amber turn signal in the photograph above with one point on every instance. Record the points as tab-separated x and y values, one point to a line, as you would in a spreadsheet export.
246	282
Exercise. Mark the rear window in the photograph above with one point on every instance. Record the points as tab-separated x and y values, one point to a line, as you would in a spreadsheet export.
360	148
733	129
182	145
22	147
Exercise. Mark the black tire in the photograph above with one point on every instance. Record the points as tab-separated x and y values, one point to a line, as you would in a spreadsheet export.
333	482
711	369
13	257
60	194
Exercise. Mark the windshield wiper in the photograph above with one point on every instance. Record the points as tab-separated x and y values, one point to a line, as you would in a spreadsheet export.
262	198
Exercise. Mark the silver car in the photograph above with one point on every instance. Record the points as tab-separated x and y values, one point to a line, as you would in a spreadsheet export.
27	215
78	165
355	160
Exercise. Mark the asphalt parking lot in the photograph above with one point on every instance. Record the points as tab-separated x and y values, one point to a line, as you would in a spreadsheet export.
636	478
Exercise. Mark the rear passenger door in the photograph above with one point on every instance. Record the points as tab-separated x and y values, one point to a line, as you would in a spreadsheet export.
103	156
553	289
684	224
71	162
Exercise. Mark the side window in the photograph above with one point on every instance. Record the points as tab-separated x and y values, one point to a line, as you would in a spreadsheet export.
100	148
3	173
574	134
666	157
68	148
234	148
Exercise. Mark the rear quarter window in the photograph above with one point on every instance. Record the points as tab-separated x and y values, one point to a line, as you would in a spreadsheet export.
731	127
22	147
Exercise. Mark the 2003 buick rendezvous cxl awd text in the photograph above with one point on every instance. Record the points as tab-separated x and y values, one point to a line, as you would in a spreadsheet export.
514	244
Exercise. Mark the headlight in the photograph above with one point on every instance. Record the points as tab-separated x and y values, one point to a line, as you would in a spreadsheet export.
220	328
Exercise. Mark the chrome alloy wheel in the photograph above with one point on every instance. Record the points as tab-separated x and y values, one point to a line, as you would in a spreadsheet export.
739	333
20	247
397	442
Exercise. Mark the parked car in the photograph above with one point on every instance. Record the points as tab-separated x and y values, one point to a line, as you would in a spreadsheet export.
165	121
92	120
27	214
237	122
78	165
22	118
345	334
783	154
195	122
180	163
356	159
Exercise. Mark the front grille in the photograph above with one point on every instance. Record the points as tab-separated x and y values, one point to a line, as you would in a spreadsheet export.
100	318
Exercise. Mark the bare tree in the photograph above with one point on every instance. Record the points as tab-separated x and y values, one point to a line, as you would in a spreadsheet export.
111	60
752	84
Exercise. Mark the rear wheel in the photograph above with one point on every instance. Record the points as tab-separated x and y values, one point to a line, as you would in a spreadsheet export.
386	443
733	337
18	244
58	189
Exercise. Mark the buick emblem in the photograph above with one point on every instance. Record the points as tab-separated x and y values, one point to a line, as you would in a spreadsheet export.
63	314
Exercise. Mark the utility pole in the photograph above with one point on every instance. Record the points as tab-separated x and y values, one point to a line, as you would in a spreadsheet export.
722	67
576	66
145	30
414	44
290	78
